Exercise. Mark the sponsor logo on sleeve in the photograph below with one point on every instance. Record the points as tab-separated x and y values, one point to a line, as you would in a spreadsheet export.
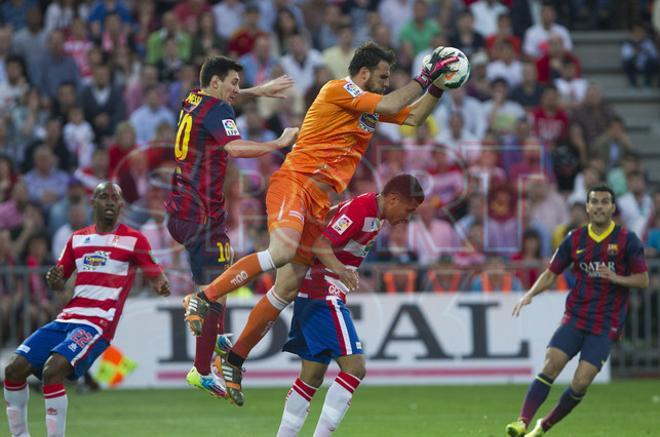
352	89
341	224
230	127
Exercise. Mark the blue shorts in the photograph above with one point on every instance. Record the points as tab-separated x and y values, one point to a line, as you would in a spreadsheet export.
207	245
80	344
321	330
593	349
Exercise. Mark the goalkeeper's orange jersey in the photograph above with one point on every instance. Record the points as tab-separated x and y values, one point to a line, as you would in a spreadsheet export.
336	133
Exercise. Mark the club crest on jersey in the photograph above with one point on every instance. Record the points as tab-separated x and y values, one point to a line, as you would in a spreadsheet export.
93	261
352	89
342	224
230	127
612	249
368	122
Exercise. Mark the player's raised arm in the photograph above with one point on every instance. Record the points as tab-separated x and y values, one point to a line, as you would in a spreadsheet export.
251	149
273	88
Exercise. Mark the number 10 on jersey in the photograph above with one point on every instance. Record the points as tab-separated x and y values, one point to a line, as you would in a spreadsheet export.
183	136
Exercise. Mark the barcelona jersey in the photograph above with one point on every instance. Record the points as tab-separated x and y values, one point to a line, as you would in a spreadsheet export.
594	304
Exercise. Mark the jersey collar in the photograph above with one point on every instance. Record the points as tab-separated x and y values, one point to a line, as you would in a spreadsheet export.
600	237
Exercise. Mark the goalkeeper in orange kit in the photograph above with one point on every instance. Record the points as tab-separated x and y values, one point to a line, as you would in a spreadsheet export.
335	134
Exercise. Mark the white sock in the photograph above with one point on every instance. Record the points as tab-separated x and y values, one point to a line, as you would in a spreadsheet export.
265	260
337	401
16	398
296	408
56	405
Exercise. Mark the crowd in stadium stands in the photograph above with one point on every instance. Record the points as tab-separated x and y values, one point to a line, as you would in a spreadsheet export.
90	90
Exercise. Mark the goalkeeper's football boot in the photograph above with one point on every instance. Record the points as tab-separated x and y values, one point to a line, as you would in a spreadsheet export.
516	429
232	377
208	383
196	309
537	431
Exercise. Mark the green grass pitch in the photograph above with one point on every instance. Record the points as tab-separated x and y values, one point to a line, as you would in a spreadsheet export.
621	409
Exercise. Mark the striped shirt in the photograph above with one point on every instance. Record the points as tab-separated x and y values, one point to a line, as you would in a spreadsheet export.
352	231
596	305
105	264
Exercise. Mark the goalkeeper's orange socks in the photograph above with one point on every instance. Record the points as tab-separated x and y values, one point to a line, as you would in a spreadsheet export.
261	318
205	343
238	275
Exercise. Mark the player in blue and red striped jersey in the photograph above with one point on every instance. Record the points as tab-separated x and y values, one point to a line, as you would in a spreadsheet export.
607	260
322	328
206	136
105	256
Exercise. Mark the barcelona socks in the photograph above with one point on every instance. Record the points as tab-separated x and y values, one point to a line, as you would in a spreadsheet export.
239	274
16	399
261	318
296	408
568	400
56	406
205	343
337	401
536	394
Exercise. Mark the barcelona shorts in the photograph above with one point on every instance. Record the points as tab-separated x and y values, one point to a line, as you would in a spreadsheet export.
80	344
296	201
322	330
207	245
594	349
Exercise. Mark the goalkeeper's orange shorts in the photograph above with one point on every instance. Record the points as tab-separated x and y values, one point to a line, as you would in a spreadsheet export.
296	201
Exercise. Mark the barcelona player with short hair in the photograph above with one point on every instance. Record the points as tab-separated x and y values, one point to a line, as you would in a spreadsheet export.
206	136
607	260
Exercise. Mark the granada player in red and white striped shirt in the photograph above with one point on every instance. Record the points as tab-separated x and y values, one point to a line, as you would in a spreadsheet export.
105	256
322	328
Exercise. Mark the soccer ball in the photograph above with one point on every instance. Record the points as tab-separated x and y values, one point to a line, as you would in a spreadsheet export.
460	69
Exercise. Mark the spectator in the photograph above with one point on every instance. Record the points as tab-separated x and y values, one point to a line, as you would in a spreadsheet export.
328	34
529	258
284	27
612	144
550	121
572	89
578	217
59	213
14	86
639	56
46	184
15	12
147	117
8	177
535	43
471	254
243	39
5	46
495	277
466	38
447	177
395	14
12	210
501	112
419	144
78	218
459	139
66	100
653	238
194	10
506	67
30	44
486	14
401	277
546	206
589	119
133	96
228	15
478	86
528	92
504	33
206	39
102	103
60	14
300	62
79	137
551	64
54	141
55	67
78	45
101	9
170	28
430	236
636	206
41	307
96	172
169	64
258	64
617	177
417	33
591	175
338	57
474	117
124	145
